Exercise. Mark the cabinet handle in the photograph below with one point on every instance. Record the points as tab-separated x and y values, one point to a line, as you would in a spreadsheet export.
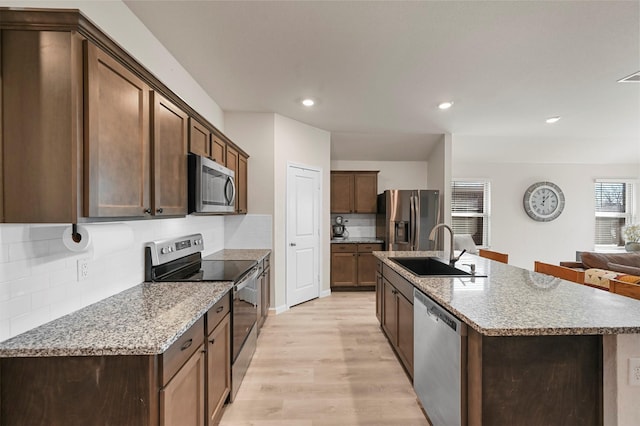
159	210
212	341
220	309
147	211
186	344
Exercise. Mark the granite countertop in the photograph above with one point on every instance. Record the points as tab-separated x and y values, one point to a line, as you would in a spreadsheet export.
239	254
357	240
512	301
143	320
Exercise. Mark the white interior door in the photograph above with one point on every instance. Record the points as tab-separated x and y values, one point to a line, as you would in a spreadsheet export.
303	234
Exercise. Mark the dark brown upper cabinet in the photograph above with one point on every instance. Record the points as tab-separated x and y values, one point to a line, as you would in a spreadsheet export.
354	191
169	147
117	177
86	132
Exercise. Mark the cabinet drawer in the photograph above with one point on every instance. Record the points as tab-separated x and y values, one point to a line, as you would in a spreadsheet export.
217	312
400	283
368	248
178	353
344	248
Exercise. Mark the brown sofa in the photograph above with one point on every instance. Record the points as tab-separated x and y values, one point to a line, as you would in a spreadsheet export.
615	272
600	268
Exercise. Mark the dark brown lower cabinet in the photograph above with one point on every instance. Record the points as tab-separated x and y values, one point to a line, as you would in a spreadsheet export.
353	265
397	316
218	369
534	380
265	294
182	399
172	388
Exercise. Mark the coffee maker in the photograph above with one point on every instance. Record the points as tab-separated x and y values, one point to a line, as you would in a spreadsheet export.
339	230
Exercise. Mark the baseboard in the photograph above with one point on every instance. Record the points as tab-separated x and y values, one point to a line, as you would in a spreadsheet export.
280	309
325	293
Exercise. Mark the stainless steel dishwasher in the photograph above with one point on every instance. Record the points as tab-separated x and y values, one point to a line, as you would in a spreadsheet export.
440	362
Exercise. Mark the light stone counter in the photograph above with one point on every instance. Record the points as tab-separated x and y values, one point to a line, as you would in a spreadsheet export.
357	240
513	301
239	254
143	320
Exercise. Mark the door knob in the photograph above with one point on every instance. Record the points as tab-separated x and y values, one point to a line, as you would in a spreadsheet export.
292	244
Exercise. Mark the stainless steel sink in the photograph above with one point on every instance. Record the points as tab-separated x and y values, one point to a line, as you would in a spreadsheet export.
430	267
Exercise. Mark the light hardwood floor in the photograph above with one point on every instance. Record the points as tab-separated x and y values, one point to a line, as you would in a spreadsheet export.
325	362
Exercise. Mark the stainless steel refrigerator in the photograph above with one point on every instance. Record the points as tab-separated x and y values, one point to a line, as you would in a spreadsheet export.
405	218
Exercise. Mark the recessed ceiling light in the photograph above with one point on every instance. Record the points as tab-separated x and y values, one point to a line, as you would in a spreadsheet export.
552	120
446	105
308	102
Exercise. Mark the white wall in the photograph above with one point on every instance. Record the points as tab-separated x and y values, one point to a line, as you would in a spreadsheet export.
38	277
393	174
302	144
525	240
440	160
254	132
272	142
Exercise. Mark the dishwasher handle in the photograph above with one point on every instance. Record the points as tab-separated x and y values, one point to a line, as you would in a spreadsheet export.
438	314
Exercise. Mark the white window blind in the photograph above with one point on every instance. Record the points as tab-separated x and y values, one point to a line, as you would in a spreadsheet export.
614	210
470	209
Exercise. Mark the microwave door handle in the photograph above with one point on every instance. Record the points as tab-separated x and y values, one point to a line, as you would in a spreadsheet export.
230	200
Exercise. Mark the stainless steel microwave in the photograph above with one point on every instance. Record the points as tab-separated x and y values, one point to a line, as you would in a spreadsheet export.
212	187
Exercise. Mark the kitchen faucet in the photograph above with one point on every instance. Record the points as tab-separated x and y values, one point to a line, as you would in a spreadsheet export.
452	258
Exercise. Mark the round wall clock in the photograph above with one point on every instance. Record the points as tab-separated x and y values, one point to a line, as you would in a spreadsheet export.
543	201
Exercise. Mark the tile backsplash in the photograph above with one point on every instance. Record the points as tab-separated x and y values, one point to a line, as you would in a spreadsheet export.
39	276
358	225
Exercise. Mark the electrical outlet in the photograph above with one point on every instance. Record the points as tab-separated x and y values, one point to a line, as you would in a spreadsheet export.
634	371
83	268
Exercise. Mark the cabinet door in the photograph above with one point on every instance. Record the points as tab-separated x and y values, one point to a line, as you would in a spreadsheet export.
390	312
366	269
117	139
232	164
379	297
341	193
365	192
170	127
218	148
265	295
405	331
182	399
344	269
241	182
41	87
218	369
199	138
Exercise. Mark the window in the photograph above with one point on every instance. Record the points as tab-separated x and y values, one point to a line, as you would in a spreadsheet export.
614	210
470	209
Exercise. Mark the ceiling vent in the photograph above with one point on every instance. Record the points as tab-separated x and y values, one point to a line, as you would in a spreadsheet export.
633	78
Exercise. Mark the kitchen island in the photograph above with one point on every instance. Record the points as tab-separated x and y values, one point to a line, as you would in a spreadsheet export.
538	349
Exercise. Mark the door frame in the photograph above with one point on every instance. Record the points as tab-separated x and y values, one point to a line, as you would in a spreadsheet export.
319	170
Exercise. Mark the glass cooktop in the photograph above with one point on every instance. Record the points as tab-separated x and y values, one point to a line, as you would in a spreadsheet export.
211	270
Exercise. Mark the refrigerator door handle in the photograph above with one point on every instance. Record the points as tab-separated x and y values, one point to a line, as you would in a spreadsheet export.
412	219
418	217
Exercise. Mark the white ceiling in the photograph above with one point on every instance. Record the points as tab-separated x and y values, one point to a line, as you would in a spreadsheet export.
379	69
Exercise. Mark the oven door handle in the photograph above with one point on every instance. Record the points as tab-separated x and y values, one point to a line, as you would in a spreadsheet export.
246	280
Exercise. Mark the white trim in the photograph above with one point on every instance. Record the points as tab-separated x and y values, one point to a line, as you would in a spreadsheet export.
279	309
325	293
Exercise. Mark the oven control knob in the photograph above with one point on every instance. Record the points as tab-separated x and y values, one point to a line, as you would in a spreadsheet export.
165	250
198	242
